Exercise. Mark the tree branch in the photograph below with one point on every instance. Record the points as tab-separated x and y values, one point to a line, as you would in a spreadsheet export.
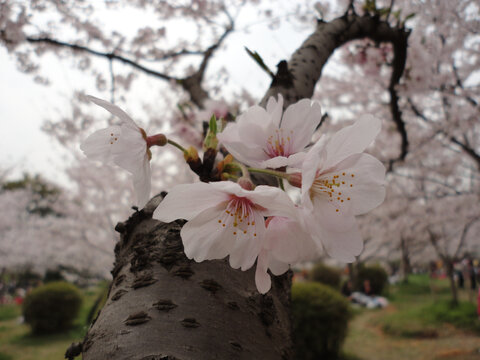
467	149
464	236
192	84
107	55
298	78
463	145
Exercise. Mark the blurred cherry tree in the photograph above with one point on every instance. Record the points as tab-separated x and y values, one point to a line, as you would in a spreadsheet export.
413	64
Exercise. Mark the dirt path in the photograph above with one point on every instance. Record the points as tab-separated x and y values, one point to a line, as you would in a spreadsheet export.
368	342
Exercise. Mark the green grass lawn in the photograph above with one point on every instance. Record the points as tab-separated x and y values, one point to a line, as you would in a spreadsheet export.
419	323
17	342
422	305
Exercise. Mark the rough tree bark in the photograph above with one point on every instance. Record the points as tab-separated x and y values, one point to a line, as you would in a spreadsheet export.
163	306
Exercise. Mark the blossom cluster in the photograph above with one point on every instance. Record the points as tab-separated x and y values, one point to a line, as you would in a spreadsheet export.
262	224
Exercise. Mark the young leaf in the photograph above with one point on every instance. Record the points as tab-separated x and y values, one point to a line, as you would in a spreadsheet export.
255	56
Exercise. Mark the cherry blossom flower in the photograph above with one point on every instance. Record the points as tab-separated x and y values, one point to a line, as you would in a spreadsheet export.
224	219
264	138
286	242
125	145
338	181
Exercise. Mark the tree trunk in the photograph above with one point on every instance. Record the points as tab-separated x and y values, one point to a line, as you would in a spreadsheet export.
406	266
162	305
352	273
453	287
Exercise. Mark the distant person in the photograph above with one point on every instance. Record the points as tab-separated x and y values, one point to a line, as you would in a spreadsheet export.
366	298
433	269
347	289
471	274
366	287
459	276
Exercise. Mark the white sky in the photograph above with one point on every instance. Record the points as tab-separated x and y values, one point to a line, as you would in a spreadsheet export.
23	107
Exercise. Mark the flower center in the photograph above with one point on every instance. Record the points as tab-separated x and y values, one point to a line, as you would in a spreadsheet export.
113	138
239	217
335	187
279	144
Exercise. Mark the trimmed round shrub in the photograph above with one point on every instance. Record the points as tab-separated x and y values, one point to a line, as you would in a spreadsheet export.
52	307
326	275
376	275
320	321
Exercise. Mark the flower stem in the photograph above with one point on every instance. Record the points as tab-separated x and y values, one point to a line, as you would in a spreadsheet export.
177	145
226	176
276	173
243	169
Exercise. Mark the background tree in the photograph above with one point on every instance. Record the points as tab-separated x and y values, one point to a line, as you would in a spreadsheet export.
420	81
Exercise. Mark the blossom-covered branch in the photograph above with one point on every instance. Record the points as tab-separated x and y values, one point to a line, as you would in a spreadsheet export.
297	78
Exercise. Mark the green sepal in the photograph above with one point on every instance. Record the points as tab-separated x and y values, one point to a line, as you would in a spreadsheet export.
211	141
212	125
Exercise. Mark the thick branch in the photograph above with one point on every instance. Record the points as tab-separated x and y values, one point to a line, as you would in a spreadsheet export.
298	78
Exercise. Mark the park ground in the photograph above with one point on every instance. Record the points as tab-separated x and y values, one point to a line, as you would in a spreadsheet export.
417	325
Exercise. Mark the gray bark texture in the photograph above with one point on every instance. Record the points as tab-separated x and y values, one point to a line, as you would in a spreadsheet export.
162	305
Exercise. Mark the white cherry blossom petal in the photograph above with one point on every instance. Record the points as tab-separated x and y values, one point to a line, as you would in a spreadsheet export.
310	167
114	110
142	182
203	239
300	120
288	242
99	145
277	267
249	154
223	210
275	109
351	140
259	138
294	160
262	278
338	182
344	245
247	247
275	201
340	244
124	145
330	219
186	201
360	180
130	151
